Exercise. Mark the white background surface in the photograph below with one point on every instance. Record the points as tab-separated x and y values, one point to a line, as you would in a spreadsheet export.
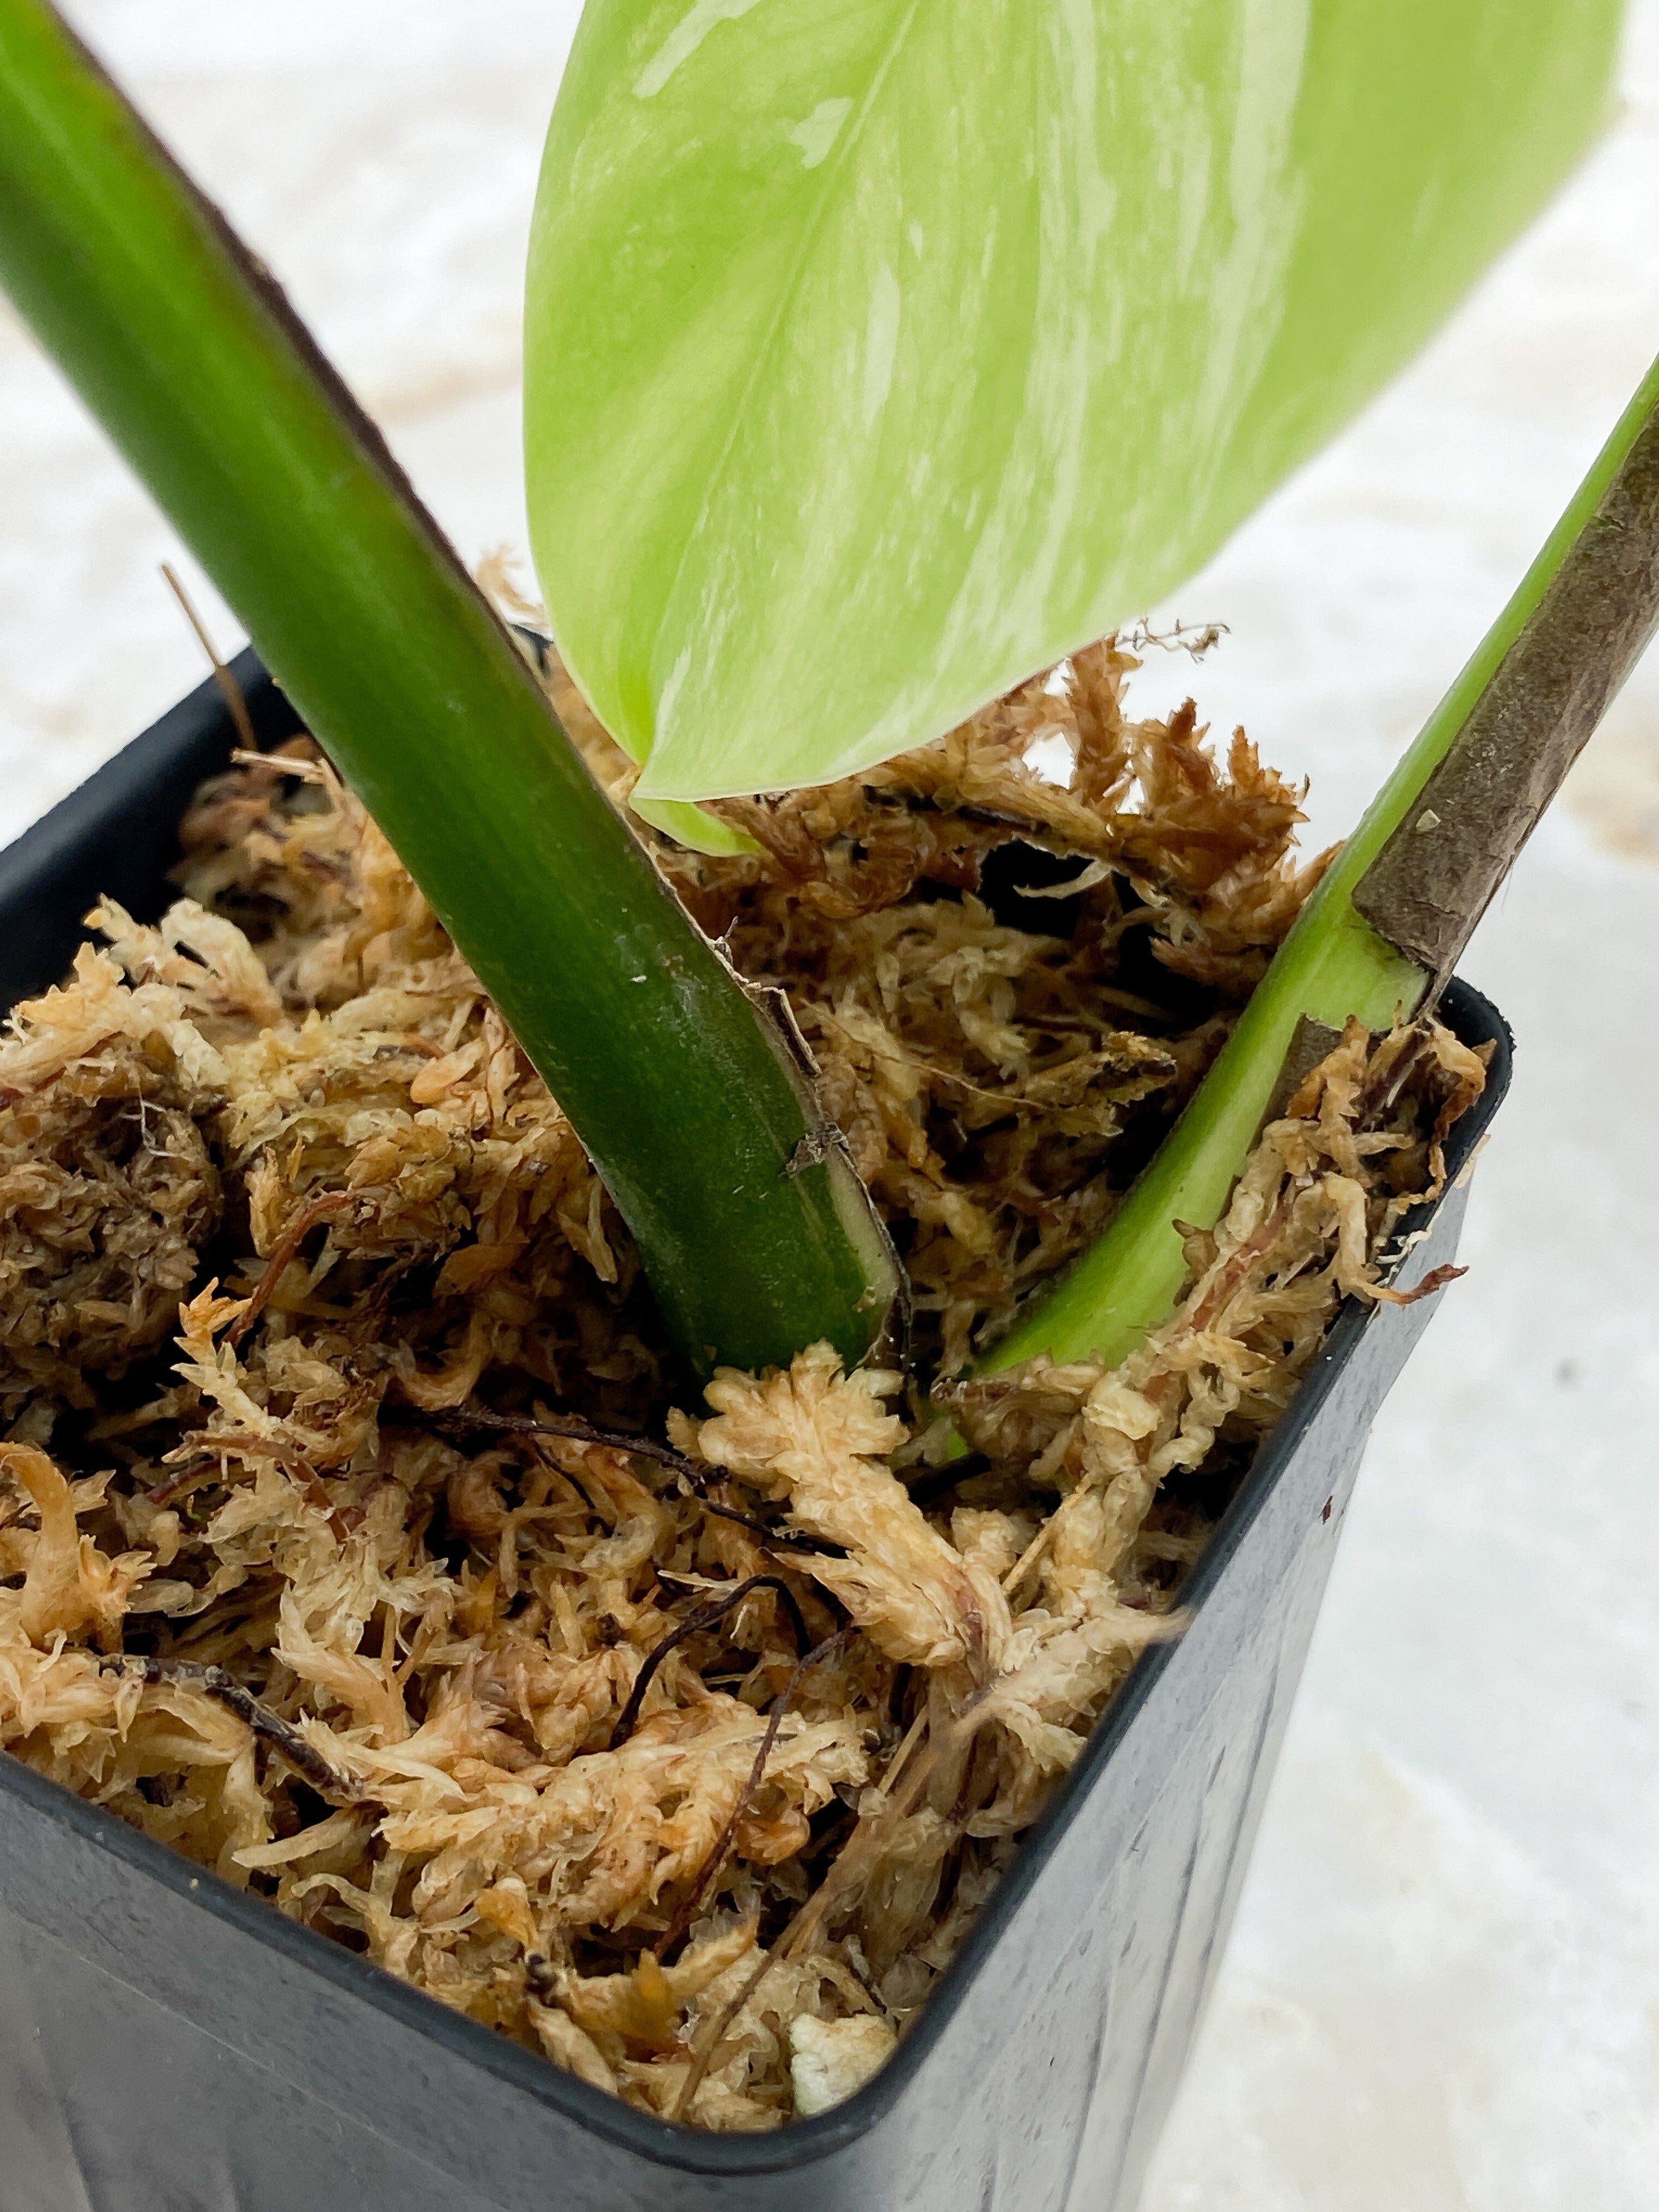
1443	1994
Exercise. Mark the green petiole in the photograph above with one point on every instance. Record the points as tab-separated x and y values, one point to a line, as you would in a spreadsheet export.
1484	768
684	1092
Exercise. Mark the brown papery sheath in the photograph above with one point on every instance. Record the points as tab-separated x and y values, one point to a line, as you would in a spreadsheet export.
1434	879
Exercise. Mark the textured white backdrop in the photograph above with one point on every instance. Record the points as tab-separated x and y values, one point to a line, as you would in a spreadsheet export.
1443	1994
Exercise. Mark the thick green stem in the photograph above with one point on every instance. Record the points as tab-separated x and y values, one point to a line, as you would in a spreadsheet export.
1500	742
679	1086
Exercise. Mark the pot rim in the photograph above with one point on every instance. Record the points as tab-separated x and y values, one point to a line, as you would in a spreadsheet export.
672	2144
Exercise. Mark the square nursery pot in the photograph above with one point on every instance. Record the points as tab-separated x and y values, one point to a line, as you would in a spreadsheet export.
170	2045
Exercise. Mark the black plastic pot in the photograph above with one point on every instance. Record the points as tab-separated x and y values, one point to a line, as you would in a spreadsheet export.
170	2045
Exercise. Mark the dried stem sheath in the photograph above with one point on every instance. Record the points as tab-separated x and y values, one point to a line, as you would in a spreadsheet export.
1380	935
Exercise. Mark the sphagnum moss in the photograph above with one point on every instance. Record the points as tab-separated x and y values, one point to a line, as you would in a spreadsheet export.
399	1591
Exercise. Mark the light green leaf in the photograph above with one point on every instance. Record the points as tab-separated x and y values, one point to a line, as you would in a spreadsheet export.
880	352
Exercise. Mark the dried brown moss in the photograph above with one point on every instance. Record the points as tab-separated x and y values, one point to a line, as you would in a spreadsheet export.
987	1077
106	1200
683	1745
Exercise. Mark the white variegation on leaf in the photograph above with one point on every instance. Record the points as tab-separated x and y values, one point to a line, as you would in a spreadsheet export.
880	352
